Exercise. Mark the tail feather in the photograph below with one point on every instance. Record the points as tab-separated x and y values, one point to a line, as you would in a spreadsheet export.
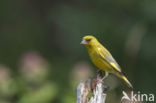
120	75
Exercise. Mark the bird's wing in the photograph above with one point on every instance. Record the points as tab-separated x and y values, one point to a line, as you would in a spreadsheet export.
107	57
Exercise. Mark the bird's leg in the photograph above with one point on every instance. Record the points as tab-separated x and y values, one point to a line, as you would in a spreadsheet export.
106	75
99	73
99	76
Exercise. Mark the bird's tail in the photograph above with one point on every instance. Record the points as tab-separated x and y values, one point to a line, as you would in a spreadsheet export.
120	75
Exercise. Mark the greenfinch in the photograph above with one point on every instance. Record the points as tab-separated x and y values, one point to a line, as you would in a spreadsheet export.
102	58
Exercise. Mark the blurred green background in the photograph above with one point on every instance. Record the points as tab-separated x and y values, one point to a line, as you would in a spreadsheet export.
42	61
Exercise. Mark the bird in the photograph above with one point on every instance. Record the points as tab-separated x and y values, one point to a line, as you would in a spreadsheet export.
102	58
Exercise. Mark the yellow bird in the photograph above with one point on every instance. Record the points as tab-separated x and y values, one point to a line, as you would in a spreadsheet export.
102	58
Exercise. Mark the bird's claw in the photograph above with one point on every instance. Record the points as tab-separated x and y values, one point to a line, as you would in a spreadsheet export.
99	81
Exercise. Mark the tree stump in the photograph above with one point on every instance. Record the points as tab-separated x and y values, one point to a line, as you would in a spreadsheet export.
91	91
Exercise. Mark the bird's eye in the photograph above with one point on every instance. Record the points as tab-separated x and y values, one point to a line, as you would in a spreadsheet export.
88	40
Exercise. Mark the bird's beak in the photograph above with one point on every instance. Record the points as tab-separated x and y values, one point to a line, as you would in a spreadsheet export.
84	42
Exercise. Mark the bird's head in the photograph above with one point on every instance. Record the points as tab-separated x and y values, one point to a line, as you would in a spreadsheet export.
89	40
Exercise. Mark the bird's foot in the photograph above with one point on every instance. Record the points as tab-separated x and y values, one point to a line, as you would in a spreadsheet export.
99	80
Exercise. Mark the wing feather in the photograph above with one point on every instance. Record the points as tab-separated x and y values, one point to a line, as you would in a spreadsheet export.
108	58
